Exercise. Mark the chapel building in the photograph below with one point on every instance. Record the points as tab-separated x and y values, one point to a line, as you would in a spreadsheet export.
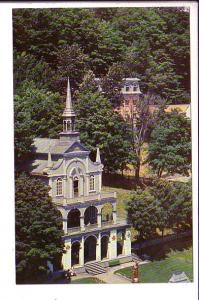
92	232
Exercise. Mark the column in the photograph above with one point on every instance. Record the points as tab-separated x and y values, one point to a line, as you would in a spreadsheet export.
51	186
87	183
82	225
65	225
81	252
98	248
114	213
71	187
99	217
127	242
81	185
100	182
64	187
66	258
113	244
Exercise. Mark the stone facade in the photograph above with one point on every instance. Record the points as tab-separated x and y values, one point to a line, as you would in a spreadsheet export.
91	232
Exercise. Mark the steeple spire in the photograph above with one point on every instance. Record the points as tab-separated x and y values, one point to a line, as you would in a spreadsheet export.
69	133
98	159
68	111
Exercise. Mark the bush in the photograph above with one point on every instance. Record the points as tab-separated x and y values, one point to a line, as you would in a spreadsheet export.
114	262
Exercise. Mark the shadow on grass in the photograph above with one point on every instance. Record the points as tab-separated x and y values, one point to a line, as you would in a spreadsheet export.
160	251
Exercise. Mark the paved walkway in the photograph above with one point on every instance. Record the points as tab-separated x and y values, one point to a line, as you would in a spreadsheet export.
109	276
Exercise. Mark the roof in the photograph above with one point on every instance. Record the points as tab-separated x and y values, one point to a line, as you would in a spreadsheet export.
55	146
179	277
181	107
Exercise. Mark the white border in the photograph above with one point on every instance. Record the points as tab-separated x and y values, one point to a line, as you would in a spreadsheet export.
57	292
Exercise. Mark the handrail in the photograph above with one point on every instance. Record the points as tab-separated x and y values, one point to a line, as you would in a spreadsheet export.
98	196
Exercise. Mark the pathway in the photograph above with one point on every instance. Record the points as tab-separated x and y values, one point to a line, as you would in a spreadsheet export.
109	276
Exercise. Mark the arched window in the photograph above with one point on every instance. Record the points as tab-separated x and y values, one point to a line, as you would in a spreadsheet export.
59	187
135	87
68	126
76	186
92	183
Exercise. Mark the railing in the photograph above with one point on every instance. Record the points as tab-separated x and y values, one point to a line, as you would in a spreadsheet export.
107	223
82	199
73	229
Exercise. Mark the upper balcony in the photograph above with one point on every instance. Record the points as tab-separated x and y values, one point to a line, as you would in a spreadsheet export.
83	199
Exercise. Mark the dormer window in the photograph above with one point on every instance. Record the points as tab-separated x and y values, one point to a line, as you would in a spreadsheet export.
135	87
127	88
92	183
59	187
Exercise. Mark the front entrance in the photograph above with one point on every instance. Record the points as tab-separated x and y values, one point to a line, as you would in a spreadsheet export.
75	253
104	246
90	249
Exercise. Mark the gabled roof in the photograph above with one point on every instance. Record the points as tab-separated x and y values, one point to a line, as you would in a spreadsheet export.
55	146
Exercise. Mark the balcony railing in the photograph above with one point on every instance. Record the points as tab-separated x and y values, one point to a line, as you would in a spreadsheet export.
74	229
82	199
89	227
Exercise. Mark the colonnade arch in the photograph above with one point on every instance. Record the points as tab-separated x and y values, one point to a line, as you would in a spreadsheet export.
104	246
75	255
73	219
90	215
90	244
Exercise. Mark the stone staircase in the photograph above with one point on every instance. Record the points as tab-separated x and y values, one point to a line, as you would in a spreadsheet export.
94	268
136	258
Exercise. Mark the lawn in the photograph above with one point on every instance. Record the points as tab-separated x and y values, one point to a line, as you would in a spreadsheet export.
89	280
161	271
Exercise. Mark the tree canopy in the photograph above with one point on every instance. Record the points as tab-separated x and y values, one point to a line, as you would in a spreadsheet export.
101	127
164	205
170	144
38	230
151	43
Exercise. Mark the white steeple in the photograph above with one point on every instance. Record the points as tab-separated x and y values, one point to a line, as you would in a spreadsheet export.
68	111
98	159
69	132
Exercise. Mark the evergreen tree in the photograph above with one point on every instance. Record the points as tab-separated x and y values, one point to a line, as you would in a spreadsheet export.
38	231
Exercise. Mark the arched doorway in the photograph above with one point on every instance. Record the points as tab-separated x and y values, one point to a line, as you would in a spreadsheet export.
90	215
104	246
75	253
73	219
120	243
90	248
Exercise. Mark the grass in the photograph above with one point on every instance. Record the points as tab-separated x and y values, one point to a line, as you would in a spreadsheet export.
123	195
89	280
161	271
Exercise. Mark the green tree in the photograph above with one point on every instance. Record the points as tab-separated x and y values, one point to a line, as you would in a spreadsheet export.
141	124
38	231
37	114
70	62
112	84
181	208
141	213
101	127
28	68
170	144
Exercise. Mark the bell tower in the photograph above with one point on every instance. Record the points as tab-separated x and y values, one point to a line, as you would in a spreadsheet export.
69	133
